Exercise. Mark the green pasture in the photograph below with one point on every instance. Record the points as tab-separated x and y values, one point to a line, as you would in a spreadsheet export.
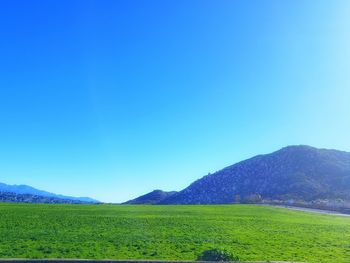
253	233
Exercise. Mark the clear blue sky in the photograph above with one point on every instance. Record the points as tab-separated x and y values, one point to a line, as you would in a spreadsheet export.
112	99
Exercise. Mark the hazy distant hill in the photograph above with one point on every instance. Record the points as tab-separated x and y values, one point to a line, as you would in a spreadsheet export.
153	197
29	198
28	190
292	173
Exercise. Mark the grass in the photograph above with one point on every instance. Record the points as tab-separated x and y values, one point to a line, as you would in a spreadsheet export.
171	232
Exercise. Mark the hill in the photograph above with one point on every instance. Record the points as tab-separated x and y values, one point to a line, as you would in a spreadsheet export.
294	173
301	175
18	190
151	198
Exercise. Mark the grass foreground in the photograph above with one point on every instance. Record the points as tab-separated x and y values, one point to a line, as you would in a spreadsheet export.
254	233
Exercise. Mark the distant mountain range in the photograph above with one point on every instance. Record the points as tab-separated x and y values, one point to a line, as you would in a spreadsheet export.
25	193
37	199
292	174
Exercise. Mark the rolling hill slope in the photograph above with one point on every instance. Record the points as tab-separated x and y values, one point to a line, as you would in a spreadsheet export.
153	197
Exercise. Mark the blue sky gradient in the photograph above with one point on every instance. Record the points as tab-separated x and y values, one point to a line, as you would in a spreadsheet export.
112	99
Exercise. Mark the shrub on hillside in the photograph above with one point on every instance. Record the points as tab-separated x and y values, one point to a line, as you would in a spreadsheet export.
217	255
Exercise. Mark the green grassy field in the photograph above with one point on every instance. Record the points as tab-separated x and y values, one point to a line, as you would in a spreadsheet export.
171	232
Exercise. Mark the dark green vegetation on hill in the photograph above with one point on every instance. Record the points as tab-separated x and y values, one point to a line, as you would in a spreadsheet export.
292	174
170	232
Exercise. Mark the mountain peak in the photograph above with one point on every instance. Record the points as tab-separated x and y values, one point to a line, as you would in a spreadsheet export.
299	147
